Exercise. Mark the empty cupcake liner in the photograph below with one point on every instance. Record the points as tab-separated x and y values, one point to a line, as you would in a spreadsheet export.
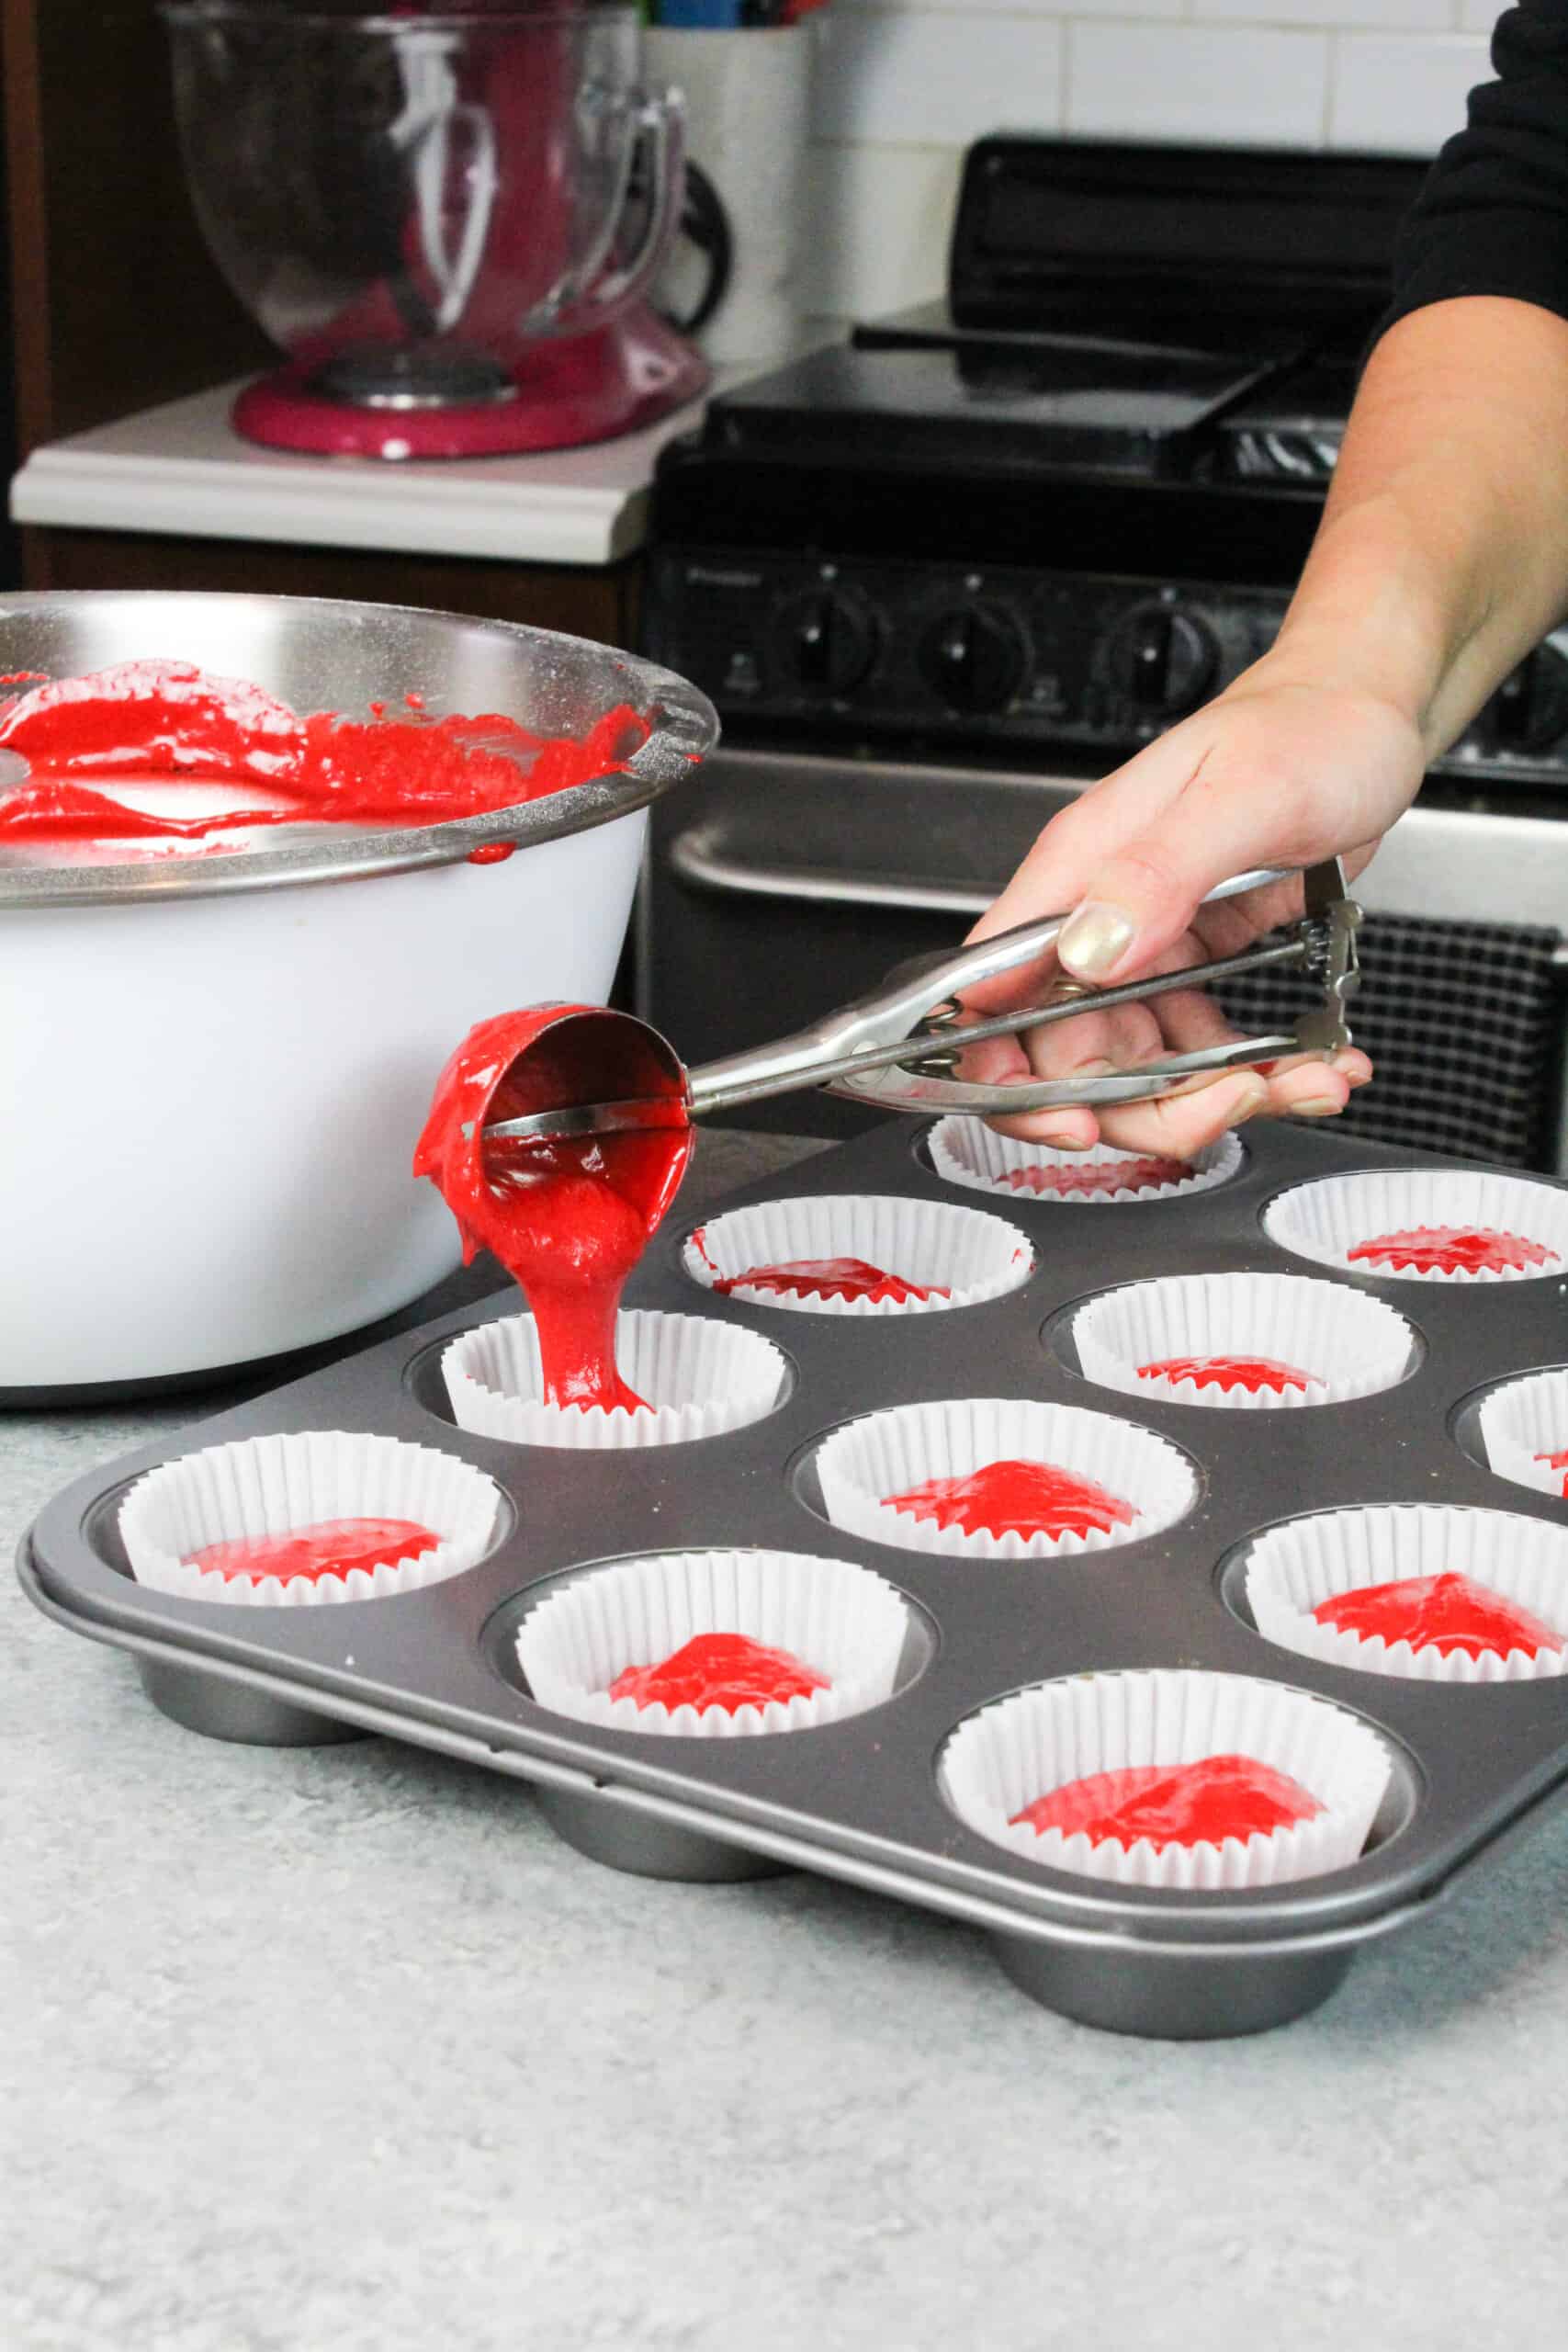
845	1620
269	1486
700	1378
1521	1422
1293	1567
1018	1749
973	1255
1328	1218
1350	1344
888	1452
965	1150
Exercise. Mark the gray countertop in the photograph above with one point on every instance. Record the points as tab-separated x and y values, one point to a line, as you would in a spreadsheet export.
341	2047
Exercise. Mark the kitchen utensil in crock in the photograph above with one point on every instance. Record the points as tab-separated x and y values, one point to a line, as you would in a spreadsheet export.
214	1068
448	218
894	1047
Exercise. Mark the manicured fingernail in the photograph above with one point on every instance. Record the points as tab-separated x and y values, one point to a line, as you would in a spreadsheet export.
1249	1101
1318	1106
1095	938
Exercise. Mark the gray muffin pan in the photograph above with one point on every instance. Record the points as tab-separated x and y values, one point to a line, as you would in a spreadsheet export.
858	1799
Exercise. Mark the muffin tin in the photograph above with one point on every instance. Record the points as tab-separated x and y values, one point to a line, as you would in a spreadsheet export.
859	1798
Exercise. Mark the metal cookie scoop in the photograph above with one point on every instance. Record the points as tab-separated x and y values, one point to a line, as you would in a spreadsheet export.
896	1048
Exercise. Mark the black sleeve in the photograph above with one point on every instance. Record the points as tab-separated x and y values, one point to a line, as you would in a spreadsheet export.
1493	215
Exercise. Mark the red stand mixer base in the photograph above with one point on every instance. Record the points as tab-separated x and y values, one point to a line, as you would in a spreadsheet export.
583	387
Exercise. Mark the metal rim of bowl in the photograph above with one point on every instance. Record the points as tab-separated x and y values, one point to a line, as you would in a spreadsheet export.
684	728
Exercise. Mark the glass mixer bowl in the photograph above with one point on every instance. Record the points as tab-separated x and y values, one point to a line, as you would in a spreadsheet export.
410	203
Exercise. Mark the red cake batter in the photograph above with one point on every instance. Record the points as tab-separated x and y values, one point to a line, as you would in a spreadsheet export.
568	1219
1017	1499
1175	1804
331	1547
1251	1373
1099	1176
727	1670
1451	1249
1558	1461
1444	1613
161	721
830	1278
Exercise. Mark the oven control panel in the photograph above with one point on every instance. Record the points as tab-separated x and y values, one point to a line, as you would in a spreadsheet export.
1011	659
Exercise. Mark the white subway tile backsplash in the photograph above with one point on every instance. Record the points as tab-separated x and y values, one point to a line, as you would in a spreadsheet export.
904	85
1251	84
1402	96
1385	15
917	77
881	220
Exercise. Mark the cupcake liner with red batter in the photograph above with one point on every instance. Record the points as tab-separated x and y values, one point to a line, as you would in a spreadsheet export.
1042	1740
1295	1569
964	1151
949	1256
699	1377
843	1621
1248	1342
272	1486
1407	1212
1524	1428
893	1451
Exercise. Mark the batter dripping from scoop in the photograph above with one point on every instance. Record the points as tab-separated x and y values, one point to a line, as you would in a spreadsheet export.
569	1217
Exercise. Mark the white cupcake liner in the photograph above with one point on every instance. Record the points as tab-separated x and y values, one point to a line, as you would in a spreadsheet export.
700	1378
972	1254
1522	1420
268	1486
964	1151
1350	1344
1328	1218
1293	1567
888	1452
845	1620
1003	1758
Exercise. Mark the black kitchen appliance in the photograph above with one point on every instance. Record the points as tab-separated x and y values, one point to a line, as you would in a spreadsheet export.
940	575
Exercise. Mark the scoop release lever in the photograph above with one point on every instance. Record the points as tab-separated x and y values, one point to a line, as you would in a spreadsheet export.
898	1046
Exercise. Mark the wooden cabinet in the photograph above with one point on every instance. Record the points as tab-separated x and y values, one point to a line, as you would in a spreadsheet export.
584	600
116	306
115	301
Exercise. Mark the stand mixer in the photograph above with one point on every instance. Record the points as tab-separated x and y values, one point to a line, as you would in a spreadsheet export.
448	219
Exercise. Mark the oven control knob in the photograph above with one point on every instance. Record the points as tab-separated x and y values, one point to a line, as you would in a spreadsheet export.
1162	658
972	658
1529	710
826	641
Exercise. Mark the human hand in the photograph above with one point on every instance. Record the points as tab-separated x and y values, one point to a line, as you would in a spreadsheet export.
1274	772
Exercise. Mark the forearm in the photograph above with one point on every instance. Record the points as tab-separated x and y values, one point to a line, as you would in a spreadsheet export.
1442	557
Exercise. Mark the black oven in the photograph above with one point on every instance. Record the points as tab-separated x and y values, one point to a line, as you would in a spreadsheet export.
938	576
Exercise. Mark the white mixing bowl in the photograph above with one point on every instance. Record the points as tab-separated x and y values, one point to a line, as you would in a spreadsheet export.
213	1071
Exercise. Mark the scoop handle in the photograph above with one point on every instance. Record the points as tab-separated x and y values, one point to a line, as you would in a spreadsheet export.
873	1030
